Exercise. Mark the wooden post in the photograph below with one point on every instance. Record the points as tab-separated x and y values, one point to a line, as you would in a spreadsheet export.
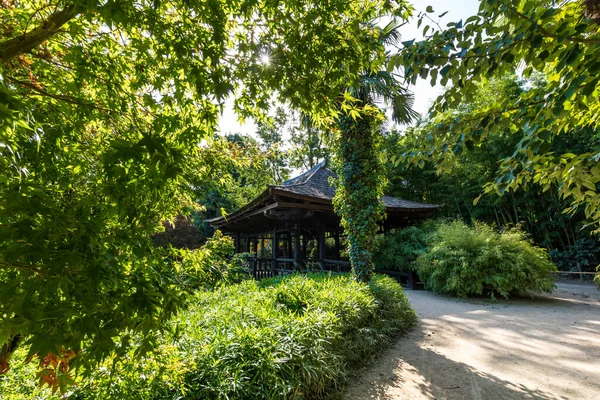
296	249
274	245
238	239
256	247
262	247
247	244
321	246
337	246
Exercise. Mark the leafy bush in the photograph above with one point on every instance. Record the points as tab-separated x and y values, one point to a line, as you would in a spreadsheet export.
181	233
583	256
467	261
215	264
289	337
398	250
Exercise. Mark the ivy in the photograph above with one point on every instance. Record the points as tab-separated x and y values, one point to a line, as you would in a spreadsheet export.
359	189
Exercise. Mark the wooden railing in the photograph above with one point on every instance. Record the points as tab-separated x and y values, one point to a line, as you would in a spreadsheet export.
261	268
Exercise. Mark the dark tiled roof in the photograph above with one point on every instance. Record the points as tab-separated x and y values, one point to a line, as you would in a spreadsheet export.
312	183
316	183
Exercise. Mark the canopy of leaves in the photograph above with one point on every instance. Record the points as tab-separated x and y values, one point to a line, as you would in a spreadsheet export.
559	40
536	208
103	107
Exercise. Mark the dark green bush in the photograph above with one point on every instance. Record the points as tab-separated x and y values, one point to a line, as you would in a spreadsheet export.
398	250
292	337
583	256
473	261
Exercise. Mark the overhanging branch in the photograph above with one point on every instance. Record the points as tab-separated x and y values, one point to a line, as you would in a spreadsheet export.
26	42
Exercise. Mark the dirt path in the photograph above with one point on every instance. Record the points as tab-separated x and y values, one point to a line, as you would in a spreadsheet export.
542	348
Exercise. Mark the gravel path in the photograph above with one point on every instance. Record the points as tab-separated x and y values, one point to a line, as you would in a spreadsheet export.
542	348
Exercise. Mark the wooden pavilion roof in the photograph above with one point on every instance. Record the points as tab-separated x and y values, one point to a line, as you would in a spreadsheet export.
307	199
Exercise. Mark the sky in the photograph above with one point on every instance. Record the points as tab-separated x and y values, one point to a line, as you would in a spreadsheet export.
424	93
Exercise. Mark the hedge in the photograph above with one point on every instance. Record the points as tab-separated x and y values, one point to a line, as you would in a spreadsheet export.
292	337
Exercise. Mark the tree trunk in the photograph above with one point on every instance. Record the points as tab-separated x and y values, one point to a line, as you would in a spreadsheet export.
29	40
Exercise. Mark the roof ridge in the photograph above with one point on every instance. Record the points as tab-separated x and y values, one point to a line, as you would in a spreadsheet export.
309	174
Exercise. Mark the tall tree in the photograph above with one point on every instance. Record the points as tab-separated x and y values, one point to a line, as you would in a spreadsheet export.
361	177
556	38
308	144
103	105
271	132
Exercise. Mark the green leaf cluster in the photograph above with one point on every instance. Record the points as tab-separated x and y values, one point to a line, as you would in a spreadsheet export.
478	260
556	39
397	250
104	108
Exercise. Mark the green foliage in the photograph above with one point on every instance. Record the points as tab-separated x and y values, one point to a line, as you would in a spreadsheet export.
215	264
291	337
357	154
308	145
104	107
211	266
399	249
474	261
537	209
271	134
584	255
359	190
556	39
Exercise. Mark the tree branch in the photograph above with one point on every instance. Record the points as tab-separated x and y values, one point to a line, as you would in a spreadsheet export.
547	33
29	40
26	268
67	99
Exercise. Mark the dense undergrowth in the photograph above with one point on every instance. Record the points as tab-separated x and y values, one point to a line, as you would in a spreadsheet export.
454	258
293	337
465	260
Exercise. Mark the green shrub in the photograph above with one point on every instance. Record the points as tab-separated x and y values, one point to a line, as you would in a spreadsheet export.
398	250
473	261
584	255
289	337
214	264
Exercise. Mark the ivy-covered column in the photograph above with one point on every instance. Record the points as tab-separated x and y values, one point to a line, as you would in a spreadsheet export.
359	189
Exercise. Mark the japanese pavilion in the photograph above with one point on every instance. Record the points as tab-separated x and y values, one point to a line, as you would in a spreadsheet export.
293	226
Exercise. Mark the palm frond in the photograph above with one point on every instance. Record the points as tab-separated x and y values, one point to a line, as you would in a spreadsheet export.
390	34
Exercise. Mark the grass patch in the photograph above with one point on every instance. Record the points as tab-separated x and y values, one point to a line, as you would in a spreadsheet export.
293	337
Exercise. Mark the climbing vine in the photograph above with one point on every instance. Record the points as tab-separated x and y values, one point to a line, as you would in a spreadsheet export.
360	186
